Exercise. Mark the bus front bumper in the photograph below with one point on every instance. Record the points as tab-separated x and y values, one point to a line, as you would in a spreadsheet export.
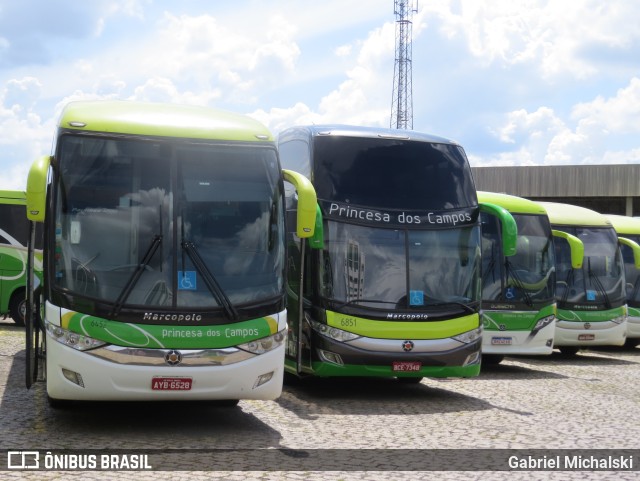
518	342
439	358
105	380
584	334
633	327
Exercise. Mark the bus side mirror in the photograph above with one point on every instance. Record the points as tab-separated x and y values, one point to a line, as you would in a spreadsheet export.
508	225
576	246
307	203
37	189
635	248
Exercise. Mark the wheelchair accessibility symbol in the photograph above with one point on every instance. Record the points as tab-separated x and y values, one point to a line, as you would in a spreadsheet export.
187	280
416	298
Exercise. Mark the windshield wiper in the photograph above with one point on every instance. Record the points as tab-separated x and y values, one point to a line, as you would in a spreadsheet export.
511	271
212	284
490	266
358	301
464	306
596	281
135	276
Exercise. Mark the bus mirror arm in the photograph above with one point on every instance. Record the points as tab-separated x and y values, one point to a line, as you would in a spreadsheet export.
37	189
307	203
576	246
634	247
508	224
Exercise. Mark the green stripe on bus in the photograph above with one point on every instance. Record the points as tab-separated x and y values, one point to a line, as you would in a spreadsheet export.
169	336
591	316
419	329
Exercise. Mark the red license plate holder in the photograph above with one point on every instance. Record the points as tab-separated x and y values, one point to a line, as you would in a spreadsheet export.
171	383
406	366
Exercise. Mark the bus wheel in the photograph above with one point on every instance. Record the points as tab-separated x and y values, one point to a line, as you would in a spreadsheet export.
18	308
409	380
631	342
569	350
58	403
492	359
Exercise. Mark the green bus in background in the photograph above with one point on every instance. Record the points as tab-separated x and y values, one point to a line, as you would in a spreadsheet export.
14	235
164	253
518	292
390	285
592	308
629	227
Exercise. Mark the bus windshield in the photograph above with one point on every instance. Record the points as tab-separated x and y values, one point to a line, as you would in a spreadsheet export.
529	275
167	223
632	275
600	281
400	269
408	175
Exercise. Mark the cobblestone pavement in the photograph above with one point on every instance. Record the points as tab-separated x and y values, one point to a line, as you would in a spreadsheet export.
590	401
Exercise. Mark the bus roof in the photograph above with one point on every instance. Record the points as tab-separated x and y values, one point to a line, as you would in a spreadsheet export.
514	204
623	224
572	215
164	120
15	197
359	131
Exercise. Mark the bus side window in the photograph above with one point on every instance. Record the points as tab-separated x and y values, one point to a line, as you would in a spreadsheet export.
294	155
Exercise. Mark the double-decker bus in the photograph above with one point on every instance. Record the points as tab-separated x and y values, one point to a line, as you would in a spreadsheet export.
14	235
164	255
518	292
591	299
629	227
390	283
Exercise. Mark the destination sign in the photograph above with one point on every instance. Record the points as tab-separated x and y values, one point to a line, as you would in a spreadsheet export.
398	218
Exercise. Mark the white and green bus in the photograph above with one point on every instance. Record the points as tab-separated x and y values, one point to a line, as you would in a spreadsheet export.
390	284
591	300
14	235
518	292
164	255
629	227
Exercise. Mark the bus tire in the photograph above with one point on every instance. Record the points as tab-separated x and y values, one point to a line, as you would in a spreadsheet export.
57	403
492	359
226	403
569	350
409	380
18	307
631	342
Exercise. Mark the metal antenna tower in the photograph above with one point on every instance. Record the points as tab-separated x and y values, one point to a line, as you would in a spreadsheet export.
402	97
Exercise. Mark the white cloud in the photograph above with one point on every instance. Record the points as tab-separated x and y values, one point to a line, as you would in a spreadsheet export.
594	136
553	35
23	134
21	94
619	114
333	62
277	119
164	90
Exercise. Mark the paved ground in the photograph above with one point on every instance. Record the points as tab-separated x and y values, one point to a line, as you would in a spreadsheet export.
586	402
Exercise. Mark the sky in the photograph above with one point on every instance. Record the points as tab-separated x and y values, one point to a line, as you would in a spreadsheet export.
515	82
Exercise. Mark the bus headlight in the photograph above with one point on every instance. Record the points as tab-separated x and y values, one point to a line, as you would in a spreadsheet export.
332	332
544	322
73	339
469	336
266	344
619	319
